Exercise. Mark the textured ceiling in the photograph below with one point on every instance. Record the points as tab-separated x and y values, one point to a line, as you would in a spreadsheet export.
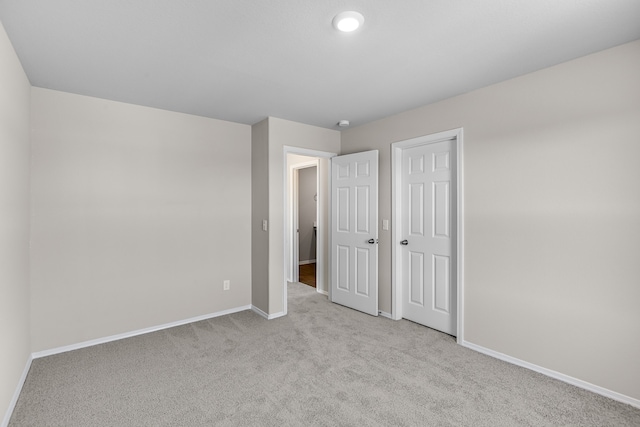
244	60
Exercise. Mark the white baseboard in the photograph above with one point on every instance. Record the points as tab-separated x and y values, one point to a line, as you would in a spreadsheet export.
260	312
557	375
16	394
97	341
309	261
265	315
321	291
276	315
385	314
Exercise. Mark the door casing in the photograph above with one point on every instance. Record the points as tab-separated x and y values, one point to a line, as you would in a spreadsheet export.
323	200
396	218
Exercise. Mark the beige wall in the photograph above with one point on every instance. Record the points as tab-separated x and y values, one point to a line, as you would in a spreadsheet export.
260	212
552	213
138	215
14	222
286	133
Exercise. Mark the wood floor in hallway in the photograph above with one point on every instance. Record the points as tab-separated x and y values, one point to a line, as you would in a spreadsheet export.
307	273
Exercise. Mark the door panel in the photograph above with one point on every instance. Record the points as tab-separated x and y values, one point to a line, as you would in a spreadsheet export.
416	278
427	192
342	207
342	267
362	271
354	234
362	209
441	209
441	283
416	206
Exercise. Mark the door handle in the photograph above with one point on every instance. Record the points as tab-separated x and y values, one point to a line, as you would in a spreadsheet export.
404	242
372	241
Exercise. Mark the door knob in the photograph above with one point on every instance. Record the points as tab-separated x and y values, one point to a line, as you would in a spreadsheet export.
371	241
404	242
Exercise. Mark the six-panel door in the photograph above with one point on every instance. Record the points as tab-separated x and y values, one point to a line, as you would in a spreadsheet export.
354	237
428	262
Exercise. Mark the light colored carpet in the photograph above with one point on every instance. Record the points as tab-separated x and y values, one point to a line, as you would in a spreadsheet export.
322	365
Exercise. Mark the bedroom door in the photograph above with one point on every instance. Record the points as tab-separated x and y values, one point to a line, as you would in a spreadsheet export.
428	230
354	231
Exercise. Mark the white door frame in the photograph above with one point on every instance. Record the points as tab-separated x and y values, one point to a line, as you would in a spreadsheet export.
324	202
396	218
294	273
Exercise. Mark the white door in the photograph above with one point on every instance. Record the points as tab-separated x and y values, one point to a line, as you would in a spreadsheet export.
428	235
354	231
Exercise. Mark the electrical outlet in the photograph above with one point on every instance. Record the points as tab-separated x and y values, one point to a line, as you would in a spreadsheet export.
226	285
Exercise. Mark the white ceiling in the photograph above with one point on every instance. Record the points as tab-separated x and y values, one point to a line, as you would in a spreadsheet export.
244	60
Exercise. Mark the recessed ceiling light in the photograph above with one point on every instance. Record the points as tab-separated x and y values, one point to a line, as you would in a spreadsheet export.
348	21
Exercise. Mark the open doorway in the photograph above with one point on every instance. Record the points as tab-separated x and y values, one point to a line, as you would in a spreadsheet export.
296	160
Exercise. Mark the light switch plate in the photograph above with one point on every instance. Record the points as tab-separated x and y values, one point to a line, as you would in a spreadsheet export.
264	225
385	224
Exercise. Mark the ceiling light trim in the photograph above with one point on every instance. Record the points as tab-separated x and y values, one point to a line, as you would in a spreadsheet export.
348	21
